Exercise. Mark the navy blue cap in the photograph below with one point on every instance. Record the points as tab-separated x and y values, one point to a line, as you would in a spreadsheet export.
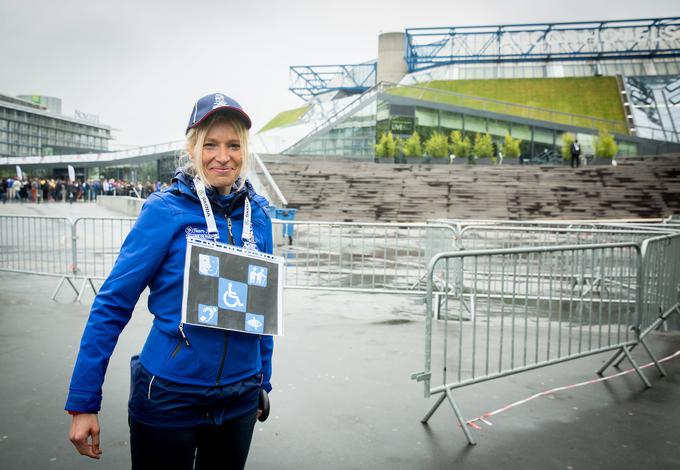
214	103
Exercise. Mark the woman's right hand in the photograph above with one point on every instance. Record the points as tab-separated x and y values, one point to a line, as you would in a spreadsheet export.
83	427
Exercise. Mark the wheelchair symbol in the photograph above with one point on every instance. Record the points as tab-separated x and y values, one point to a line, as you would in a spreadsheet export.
230	298
232	295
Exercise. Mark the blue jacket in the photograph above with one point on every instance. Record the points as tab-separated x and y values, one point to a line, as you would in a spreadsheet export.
153	255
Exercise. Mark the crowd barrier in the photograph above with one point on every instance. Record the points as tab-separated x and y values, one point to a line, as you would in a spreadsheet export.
508	297
319	255
79	251
659	293
359	256
505	311
36	245
485	237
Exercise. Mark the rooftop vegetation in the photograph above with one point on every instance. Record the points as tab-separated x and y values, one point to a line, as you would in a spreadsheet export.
285	118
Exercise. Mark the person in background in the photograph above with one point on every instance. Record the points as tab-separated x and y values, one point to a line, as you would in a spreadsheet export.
575	151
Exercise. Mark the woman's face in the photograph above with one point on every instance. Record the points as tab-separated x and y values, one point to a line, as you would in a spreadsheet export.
221	156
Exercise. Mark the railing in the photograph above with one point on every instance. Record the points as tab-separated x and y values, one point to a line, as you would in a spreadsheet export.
36	245
322	255
271	184
509	310
503	310
359	256
659	293
97	244
343	112
484	237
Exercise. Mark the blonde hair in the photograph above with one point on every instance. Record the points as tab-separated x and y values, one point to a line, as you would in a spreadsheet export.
191	158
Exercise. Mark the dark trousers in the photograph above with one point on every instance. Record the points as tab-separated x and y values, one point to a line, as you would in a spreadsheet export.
575	161
223	447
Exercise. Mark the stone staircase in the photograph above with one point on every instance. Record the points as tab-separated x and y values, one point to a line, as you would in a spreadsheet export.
349	190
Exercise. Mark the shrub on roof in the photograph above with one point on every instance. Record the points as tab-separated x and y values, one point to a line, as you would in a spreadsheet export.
605	145
510	146
437	145
460	146
483	147
412	146
386	146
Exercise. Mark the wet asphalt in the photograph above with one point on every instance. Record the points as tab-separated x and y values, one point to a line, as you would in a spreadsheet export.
342	398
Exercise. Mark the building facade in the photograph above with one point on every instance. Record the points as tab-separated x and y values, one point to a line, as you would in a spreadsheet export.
639	58
31	128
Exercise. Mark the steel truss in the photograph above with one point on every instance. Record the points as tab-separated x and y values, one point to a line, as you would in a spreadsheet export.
595	40
307	81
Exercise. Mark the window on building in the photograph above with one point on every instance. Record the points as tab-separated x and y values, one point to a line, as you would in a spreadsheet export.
427	117
475	124
450	121
498	128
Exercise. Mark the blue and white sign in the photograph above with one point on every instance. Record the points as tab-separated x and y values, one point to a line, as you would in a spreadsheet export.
207	314
208	265
230	288
232	295
257	275
254	323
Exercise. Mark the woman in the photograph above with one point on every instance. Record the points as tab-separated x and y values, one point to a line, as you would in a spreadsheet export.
195	390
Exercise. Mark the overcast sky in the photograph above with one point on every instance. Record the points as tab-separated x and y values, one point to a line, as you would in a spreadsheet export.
140	65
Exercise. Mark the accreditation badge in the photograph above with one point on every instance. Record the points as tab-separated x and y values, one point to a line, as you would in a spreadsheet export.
231	288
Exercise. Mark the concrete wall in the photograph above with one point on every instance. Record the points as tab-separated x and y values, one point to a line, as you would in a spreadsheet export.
128	206
391	63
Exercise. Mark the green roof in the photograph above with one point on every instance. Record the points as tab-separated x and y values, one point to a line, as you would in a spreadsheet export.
589	97
285	118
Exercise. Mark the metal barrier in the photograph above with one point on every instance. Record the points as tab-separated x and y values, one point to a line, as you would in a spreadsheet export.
83	250
36	245
360	256
484	237
659	293
324	255
512	310
98	242
503	311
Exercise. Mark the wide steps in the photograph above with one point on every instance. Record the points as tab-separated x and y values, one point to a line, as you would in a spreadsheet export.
349	190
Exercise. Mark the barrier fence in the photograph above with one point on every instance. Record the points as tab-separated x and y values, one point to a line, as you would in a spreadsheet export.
485	237
659	293
39	245
324	255
505	311
98	242
510	297
359	256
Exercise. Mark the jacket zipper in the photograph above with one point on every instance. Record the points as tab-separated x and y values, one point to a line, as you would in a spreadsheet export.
181	331
177	348
224	357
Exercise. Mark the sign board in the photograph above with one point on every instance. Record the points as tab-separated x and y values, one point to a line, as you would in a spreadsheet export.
233	289
401	125
71	173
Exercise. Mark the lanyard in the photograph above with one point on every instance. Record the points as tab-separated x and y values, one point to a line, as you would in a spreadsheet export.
247	236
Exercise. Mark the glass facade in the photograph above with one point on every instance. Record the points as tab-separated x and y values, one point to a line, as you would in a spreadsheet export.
30	132
353	136
357	135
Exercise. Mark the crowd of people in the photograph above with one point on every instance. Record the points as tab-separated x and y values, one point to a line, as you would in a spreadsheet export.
59	190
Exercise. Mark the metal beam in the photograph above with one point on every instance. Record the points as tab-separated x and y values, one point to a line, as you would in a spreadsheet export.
308	81
585	40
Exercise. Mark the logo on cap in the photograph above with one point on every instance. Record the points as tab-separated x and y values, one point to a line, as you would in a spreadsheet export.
219	101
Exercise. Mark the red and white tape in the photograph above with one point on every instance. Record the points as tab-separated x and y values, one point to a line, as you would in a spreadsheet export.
483	418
